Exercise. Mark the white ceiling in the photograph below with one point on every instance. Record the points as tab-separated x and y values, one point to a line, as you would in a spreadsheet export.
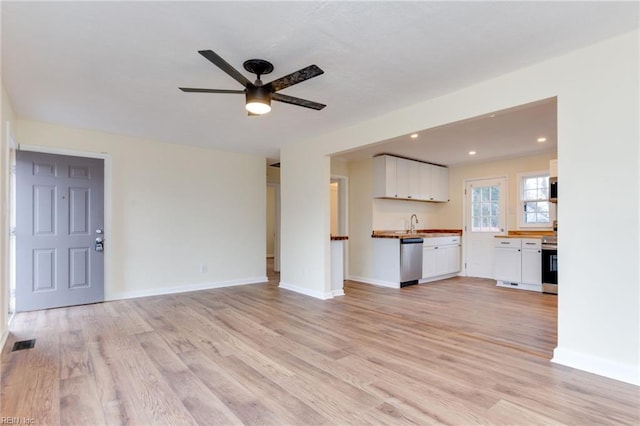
116	66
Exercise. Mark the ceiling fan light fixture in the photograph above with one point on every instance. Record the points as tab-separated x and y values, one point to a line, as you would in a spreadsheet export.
258	101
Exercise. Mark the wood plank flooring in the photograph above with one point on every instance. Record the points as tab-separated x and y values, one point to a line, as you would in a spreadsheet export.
460	351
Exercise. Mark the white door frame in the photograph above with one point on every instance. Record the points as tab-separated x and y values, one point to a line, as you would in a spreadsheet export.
108	177
10	216
465	213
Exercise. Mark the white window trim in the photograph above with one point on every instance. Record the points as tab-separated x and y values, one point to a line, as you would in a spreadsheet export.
520	206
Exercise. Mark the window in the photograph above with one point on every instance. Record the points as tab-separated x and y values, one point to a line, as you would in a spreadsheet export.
535	208
485	209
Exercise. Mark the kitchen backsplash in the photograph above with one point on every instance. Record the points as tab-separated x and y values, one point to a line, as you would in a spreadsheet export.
395	214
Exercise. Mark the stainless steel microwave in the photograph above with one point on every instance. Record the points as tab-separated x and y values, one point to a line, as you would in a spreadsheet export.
553	189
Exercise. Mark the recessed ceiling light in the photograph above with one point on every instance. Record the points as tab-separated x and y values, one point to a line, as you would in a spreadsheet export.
472	153
414	136
492	116
540	140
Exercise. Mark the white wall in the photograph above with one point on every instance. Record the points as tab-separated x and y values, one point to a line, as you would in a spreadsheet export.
597	89
174	209
305	232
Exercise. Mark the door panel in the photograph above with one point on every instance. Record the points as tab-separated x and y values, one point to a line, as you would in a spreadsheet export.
59	202
485	217
44	270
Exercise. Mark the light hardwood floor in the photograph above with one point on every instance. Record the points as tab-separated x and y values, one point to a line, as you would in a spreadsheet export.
459	351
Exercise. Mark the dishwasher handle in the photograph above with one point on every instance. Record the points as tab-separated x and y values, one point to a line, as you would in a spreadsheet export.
411	241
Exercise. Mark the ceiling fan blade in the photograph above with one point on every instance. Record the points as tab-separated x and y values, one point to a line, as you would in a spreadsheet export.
192	90
296	101
224	66
294	78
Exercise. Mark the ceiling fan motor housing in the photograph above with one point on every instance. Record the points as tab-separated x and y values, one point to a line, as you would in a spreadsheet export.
258	100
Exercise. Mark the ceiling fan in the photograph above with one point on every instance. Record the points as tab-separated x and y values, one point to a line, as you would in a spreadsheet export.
258	95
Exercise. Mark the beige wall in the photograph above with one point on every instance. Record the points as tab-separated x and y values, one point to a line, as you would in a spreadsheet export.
273	174
598	131
176	211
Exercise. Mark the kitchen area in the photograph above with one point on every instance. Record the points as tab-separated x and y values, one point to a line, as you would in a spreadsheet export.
523	259
411	218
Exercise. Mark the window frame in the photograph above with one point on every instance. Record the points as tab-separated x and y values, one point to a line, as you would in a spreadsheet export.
521	202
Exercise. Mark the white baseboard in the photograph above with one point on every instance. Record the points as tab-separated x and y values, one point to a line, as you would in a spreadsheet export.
335	293
306	291
379	283
600	366
182	289
438	278
3	339
5	335
520	286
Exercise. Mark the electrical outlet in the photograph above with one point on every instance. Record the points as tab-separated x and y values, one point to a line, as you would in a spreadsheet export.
203	268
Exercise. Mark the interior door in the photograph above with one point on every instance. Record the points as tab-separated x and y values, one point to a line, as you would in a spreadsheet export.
485	217
59	230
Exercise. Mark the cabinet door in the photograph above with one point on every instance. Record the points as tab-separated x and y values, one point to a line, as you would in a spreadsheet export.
507	265
429	262
453	259
415	186
402	178
442	260
532	266
426	179
440	183
384	176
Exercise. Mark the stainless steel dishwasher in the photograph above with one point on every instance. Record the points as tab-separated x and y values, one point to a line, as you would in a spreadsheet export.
410	261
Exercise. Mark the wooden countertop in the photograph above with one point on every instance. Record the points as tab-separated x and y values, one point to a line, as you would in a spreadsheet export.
419	233
526	234
339	237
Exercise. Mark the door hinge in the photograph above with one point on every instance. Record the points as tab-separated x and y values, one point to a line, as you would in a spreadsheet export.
465	191
12	169
12	231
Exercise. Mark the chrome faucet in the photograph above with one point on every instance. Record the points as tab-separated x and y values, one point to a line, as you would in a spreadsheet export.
413	226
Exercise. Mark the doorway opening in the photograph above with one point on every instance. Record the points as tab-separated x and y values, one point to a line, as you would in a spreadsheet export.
339	212
273	226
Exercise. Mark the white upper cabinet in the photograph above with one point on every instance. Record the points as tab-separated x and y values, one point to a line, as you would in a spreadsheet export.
440	183
385	177
395	177
403	178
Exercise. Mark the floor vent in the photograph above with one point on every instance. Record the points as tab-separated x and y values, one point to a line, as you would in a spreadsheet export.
24	344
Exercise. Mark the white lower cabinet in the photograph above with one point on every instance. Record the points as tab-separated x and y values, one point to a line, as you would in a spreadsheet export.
531	261
518	263
440	257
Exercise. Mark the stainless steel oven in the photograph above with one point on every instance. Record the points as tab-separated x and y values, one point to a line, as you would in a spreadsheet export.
550	265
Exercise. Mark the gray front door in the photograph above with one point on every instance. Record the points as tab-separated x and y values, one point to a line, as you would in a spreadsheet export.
60	213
